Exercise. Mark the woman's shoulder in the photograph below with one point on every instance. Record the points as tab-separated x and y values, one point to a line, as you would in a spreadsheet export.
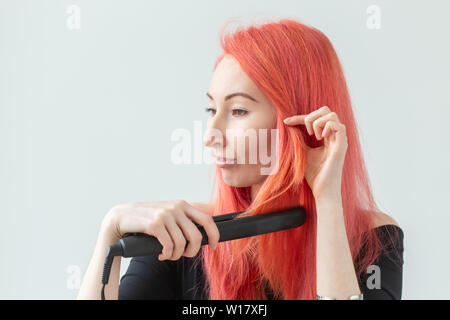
390	237
383	219
384	222
389	229
389	262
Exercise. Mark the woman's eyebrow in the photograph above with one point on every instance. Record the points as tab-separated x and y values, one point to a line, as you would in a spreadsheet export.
231	95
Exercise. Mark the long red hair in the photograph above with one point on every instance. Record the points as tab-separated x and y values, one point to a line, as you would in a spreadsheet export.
297	68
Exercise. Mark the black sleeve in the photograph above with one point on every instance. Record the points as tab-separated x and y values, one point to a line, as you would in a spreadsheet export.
383	280
148	278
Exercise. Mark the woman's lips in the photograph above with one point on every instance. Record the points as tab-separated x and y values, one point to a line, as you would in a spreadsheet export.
224	163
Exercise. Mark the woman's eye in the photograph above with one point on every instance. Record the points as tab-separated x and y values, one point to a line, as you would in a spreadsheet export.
240	112
213	111
235	112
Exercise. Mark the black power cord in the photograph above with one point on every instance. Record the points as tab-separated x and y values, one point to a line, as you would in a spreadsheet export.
111	252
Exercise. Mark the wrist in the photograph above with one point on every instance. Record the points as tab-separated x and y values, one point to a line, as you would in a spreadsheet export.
358	296
329	208
331	191
104	240
327	199
108	229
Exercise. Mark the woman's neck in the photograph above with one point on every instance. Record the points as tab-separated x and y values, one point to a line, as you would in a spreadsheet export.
255	189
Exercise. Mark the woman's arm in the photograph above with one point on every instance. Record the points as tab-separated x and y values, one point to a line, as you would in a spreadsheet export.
92	281
171	222
336	276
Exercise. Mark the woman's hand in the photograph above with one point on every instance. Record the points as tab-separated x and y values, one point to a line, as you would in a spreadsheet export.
323	164
169	221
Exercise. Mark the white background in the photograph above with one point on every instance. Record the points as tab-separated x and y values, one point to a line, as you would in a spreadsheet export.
86	117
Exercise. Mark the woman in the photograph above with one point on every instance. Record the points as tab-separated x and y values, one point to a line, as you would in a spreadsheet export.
283	76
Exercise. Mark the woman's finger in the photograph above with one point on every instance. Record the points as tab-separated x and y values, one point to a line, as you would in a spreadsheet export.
160	232
334	127
192	235
177	236
206	221
319	123
308	119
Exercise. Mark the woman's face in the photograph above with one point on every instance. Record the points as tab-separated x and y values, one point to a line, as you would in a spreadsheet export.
238	110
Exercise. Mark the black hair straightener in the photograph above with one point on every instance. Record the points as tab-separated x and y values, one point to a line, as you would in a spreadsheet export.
142	244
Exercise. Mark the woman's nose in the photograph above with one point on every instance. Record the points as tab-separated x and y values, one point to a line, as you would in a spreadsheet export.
214	133
213	137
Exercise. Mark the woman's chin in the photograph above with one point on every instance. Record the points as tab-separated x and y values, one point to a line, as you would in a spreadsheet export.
233	180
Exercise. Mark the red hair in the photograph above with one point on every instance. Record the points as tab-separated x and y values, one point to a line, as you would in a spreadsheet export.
297	68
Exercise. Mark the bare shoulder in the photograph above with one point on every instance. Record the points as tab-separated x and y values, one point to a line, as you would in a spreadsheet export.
202	206
382	219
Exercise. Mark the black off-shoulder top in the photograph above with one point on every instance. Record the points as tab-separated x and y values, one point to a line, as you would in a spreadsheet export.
183	279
